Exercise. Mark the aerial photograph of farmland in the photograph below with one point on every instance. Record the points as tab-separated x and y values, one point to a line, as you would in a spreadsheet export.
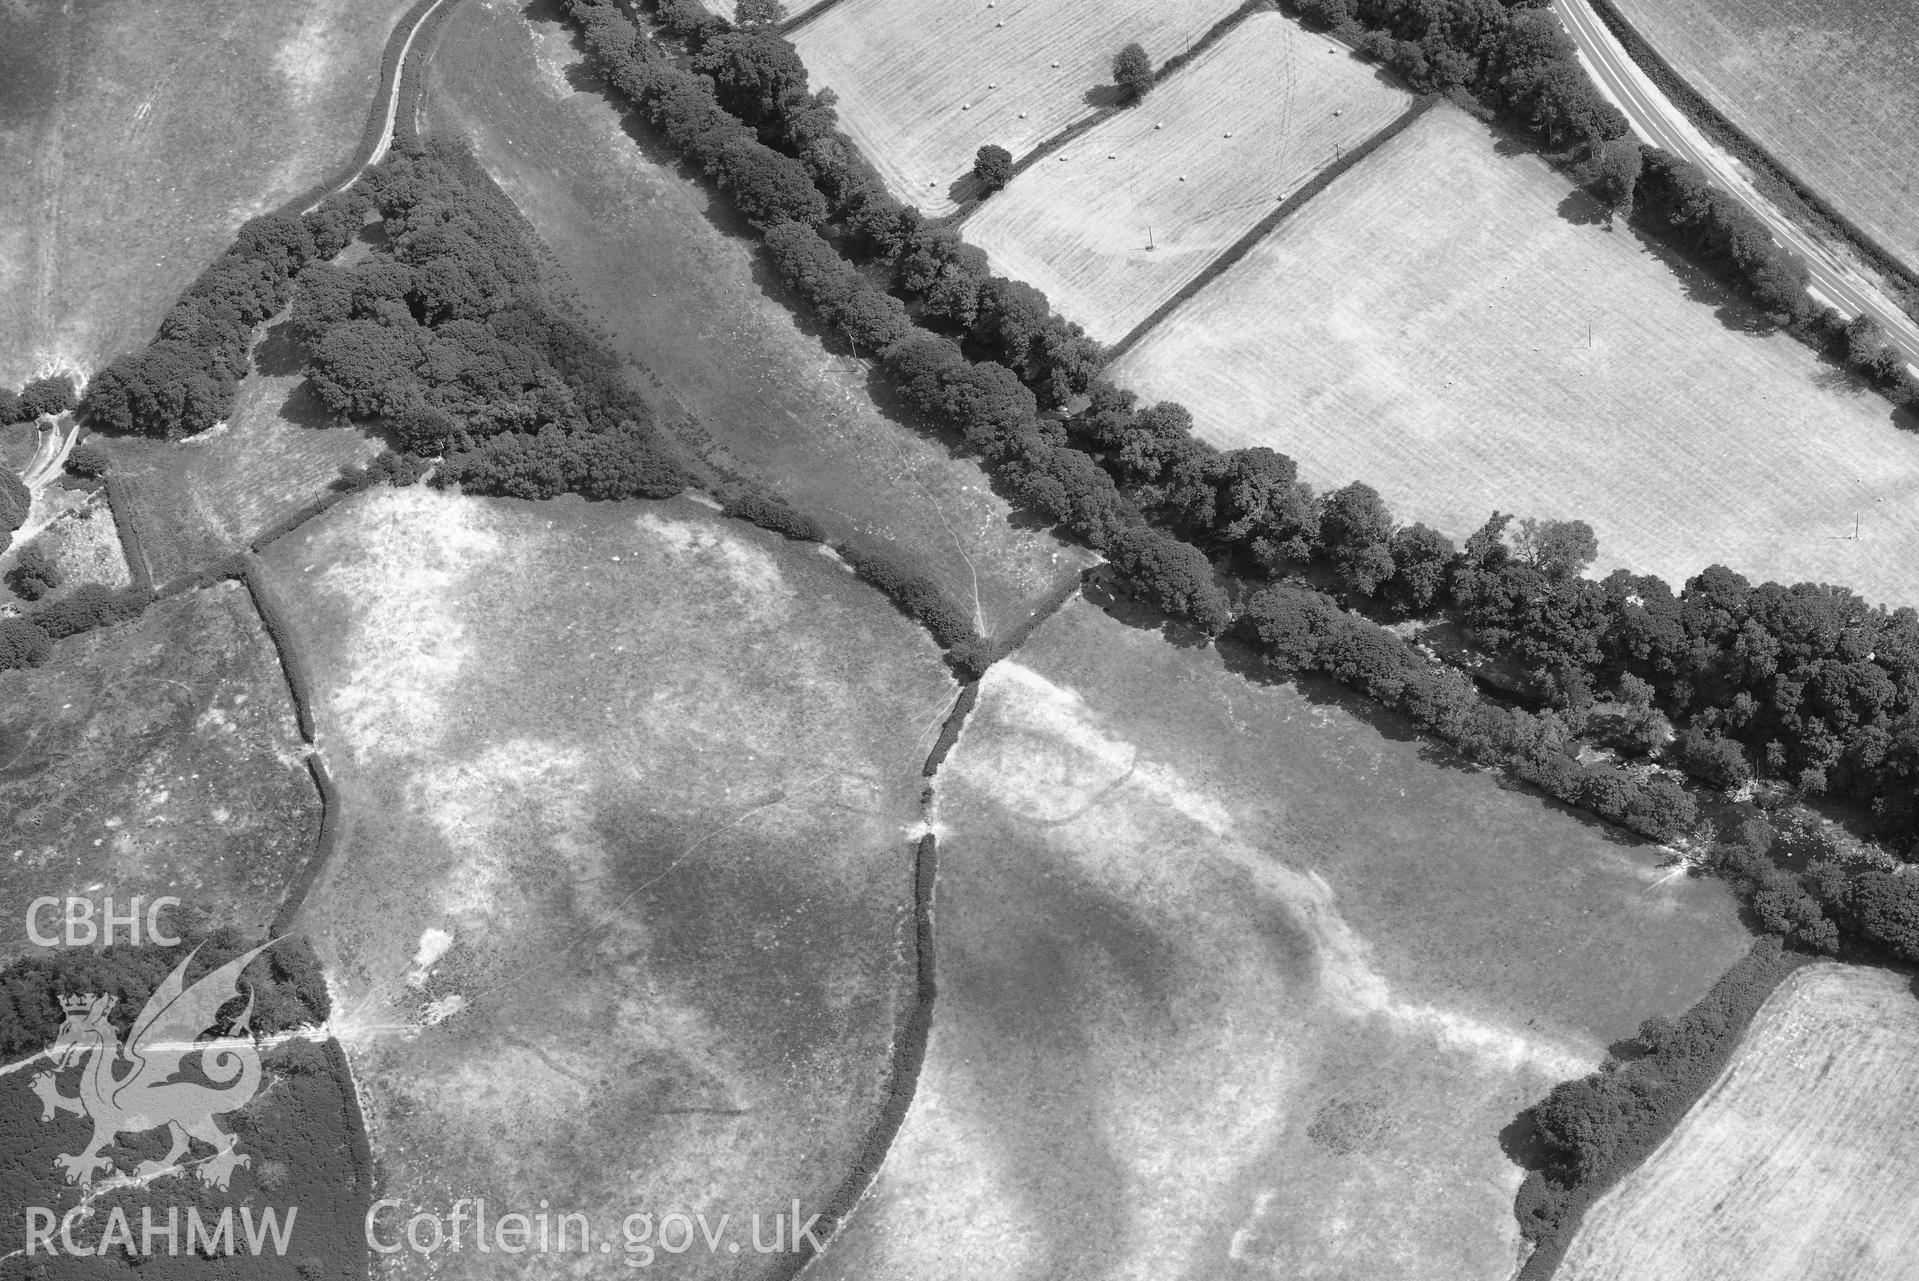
930	640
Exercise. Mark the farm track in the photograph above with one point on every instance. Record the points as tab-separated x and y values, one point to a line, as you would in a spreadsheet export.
376	142
1656	119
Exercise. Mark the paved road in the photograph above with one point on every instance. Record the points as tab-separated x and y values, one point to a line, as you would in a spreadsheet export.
1658	121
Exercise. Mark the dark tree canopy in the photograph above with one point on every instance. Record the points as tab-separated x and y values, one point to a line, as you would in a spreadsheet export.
1557	548
51	395
34	572
88	460
1133	71
993	166
750	14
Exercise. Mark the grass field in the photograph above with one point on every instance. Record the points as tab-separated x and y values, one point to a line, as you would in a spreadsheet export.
1227	974
155	757
138	136
1446	323
679	287
647	776
923	84
203	498
1797	1165
1831	90
1078	227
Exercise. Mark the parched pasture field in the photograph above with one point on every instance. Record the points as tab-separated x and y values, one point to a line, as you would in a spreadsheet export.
1797	1166
1130	212
1447	324
678	285
627	793
205	497
1832	90
158	756
923	84
1228	975
137	137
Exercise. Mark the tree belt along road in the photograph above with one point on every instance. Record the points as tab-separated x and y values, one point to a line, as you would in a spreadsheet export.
1658	121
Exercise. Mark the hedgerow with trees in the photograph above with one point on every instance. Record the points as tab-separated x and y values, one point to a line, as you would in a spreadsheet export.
1806	685
1516	60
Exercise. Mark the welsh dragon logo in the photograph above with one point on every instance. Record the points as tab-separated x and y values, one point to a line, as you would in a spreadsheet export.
131	1088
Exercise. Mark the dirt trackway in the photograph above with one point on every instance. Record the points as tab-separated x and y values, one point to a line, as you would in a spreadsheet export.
390	109
1658	121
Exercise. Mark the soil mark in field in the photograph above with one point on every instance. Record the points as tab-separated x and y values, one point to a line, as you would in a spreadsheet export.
622	910
1223	971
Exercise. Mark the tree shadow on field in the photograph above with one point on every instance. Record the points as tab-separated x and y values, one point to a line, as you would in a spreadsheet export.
1104	98
1522	1142
967	192
1701	286
1581	210
304	408
278	353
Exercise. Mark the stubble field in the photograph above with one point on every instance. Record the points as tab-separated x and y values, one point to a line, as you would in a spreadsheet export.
1233	983
1831	90
923	84
1130	212
626	798
136	137
158	756
1797	1165
679	287
1447	324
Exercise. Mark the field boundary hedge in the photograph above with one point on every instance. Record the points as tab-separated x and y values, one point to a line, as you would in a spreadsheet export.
299	679
950	728
1212	36
292	663
1230	256
360	1150
1775	178
793	24
912	1033
120	502
1551	1215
